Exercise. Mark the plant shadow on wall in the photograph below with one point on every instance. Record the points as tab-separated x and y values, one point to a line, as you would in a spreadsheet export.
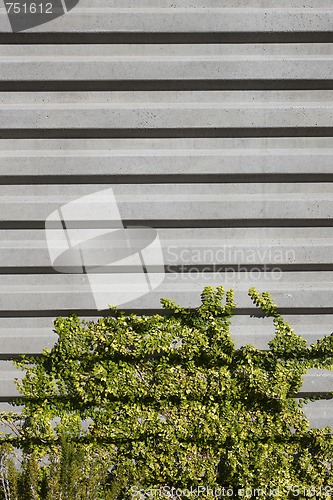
175	410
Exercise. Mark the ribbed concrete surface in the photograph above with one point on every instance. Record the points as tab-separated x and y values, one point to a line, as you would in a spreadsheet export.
167	62
69	292
185	202
308	246
225	148
195	16
136	159
165	110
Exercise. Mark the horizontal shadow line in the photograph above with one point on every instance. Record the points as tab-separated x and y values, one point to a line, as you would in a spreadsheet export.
171	269
176	224
324	394
233	223
15	355
163	85
167	133
79	312
165	178
280	37
93	313
297	311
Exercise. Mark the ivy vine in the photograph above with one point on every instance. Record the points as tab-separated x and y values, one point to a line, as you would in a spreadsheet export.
176	407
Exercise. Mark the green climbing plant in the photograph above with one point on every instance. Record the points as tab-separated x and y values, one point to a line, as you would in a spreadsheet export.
171	407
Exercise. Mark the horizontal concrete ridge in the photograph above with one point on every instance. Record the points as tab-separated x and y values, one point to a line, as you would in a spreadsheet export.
32	335
185	202
165	110
26	335
166	62
181	17
259	331
163	157
194	4
319	413
123	99
14	342
315	381
23	251
72	292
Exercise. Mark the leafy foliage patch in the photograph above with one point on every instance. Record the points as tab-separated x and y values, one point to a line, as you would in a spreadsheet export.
169	402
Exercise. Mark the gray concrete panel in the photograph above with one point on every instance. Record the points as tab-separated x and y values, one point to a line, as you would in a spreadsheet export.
94	16
166	62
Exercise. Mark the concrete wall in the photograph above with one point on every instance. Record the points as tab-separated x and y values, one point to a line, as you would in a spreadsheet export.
212	122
